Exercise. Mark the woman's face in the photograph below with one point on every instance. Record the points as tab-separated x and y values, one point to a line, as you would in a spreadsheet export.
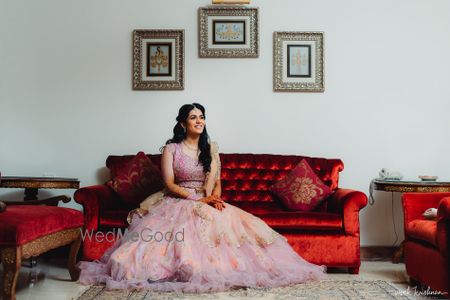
195	122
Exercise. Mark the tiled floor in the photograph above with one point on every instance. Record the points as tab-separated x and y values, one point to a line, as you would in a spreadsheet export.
53	279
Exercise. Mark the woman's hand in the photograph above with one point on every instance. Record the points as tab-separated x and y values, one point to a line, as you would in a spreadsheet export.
214	201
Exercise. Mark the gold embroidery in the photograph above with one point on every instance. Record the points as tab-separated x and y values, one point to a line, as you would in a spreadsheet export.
199	212
219	238
9	255
304	190
264	242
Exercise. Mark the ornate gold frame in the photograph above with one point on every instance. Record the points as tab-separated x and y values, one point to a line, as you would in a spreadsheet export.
251	14
178	43
298	85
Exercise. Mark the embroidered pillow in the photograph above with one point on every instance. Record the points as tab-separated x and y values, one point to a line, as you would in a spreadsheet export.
301	189
136	180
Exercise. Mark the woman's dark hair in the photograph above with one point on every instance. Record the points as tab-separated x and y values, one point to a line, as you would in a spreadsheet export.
179	134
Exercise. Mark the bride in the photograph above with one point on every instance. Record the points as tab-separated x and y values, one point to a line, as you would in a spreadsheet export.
192	241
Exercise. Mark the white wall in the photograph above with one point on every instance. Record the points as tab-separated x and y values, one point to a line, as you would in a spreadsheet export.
66	97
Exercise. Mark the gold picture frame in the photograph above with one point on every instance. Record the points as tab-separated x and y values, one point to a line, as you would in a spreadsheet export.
158	59
228	32
298	61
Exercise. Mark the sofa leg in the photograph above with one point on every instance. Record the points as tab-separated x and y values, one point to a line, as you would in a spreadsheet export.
353	270
11	260
415	283
74	271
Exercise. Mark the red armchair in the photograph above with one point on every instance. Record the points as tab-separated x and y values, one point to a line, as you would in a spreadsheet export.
327	236
426	248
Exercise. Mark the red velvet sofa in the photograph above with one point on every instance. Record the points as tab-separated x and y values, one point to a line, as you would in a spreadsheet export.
426	246
327	236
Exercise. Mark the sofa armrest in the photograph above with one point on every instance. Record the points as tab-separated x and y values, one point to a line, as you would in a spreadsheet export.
443	225
415	204
94	199
348	203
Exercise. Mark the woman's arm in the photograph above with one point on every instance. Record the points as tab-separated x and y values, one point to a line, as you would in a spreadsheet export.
217	191
168	175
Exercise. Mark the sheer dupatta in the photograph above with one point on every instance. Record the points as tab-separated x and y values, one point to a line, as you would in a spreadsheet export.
214	174
210	181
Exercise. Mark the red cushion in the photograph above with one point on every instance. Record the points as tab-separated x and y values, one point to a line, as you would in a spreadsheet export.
138	179
303	220
301	189
425	230
21	224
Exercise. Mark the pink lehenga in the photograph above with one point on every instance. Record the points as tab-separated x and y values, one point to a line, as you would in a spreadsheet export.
186	245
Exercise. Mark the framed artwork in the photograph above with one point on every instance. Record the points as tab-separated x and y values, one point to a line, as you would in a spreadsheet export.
158	59
228	31
298	62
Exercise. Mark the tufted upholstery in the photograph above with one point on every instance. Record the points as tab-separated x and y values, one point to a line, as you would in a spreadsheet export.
24	223
246	179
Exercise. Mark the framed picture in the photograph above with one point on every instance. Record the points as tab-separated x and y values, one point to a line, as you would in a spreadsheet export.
158	59
228	31
298	62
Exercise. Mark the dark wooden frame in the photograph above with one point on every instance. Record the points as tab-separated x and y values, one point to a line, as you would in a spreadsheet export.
289	61
228	43
148	59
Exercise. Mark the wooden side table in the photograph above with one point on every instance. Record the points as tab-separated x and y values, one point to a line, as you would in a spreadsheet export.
404	186
33	184
417	186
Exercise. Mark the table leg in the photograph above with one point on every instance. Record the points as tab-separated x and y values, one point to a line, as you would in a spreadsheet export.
31	194
398	254
31	262
10	258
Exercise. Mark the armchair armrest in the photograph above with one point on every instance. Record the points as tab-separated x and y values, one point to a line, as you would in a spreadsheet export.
94	199
443	224
348	203
414	204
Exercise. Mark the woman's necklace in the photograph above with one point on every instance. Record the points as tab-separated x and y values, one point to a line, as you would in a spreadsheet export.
189	147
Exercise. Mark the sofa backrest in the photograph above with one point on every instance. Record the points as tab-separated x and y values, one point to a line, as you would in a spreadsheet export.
247	177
